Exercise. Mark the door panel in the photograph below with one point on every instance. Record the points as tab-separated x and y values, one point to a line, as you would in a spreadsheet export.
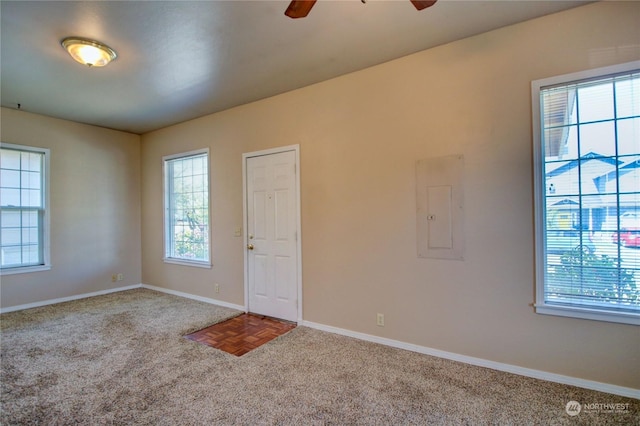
283	278
271	235
259	215
260	269
282	218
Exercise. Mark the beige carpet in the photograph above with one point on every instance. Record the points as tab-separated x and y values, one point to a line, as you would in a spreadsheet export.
121	359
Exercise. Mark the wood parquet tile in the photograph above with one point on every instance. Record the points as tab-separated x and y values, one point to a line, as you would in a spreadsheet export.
241	334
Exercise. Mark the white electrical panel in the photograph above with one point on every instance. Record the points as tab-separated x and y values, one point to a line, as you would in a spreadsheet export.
440	207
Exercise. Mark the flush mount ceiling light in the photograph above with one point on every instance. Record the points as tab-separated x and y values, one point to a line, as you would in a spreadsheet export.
89	52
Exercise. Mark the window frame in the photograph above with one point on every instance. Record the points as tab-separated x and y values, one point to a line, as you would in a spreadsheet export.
166	204
45	234
541	306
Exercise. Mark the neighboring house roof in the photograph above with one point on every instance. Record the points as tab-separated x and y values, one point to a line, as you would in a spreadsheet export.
612	176
627	180
565	202
574	163
632	163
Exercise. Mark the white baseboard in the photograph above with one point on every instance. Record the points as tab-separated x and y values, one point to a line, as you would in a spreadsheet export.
528	372
67	299
194	297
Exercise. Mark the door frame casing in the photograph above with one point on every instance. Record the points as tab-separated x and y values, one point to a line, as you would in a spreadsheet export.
245	218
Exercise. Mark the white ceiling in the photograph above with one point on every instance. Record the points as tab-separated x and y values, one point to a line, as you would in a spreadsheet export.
179	60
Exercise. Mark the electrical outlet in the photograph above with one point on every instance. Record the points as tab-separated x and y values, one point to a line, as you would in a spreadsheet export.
380	320
114	278
216	288
120	277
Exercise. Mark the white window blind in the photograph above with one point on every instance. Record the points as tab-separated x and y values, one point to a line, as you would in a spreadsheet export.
588	194
187	208
23	204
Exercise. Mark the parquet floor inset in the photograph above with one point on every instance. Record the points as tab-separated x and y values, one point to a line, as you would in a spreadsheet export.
241	334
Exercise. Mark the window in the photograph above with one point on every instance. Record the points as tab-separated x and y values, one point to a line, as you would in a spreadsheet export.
587	183
24	212
186	180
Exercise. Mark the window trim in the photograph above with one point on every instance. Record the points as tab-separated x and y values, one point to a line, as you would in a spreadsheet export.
541	307
165	224
46	221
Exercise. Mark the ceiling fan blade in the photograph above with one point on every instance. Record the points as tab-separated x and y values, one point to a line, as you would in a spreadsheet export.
423	4
299	8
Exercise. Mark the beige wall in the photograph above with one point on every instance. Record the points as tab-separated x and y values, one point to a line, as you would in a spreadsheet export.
360	136
95	208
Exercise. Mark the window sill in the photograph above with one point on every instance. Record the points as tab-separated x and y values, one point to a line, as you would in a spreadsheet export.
590	314
197	264
24	269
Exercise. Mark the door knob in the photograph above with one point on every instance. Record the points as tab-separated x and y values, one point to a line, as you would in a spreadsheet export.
250	246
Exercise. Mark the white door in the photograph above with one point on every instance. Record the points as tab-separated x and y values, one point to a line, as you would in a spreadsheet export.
272	221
